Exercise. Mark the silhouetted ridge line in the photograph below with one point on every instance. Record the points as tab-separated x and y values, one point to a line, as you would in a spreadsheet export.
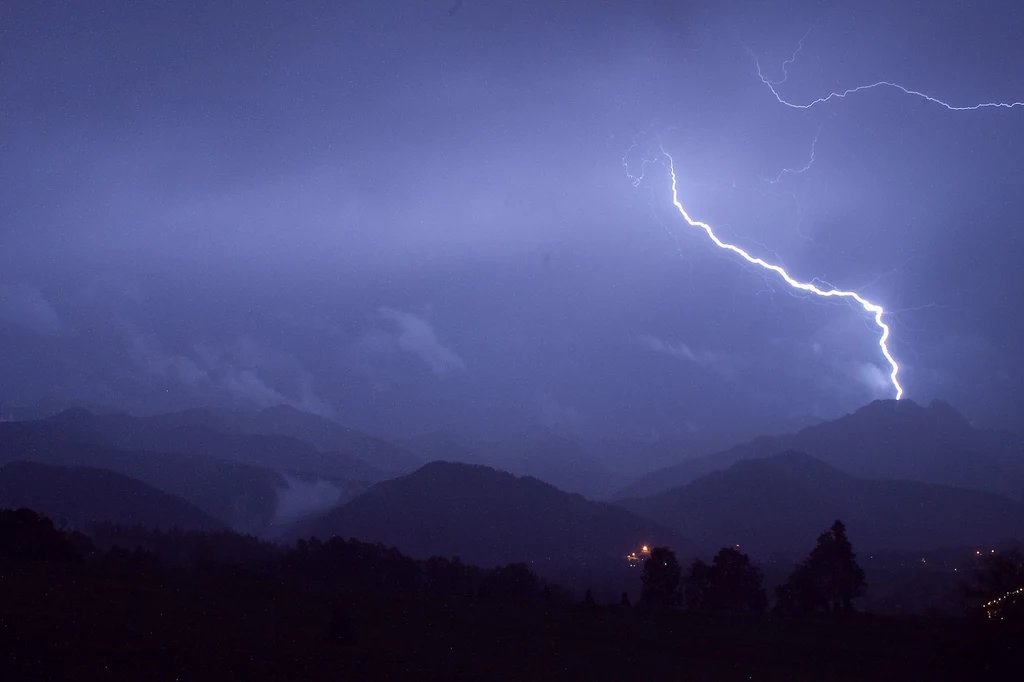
488	516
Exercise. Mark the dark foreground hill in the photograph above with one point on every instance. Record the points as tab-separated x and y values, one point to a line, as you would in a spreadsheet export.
488	517
777	506
74	625
85	496
209	606
887	439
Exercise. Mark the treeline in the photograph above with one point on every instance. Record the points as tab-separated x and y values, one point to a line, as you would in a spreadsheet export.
28	536
828	581
387	569
344	565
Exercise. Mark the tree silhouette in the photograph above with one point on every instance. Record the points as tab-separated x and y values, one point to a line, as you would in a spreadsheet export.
800	594
730	583
514	582
696	584
834	565
442	576
661	578
28	536
829	579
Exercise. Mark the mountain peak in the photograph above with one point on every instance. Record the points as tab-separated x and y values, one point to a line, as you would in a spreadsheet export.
938	413
283	411
793	457
462	473
488	516
883	439
942	409
888	406
439	466
787	463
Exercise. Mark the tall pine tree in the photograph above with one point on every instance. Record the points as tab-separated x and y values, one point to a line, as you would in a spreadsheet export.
834	566
828	579
661	578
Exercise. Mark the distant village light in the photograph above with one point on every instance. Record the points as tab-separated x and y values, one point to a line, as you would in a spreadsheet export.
634	559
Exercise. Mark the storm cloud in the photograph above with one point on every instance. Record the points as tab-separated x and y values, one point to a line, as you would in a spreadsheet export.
23	305
393	216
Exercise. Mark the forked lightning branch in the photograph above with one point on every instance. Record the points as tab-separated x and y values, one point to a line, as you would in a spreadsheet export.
874	310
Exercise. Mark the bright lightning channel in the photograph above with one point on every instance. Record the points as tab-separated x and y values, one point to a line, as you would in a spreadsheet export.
876	311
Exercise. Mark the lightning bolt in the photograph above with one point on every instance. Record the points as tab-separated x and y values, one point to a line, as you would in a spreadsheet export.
846	93
785	64
797	171
876	311
889	84
815	286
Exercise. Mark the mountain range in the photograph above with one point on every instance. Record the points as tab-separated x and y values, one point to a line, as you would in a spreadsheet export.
218	461
886	439
241	496
778	505
280	438
488	517
901	475
85	496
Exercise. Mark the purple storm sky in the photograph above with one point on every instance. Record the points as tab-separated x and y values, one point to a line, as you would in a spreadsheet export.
411	218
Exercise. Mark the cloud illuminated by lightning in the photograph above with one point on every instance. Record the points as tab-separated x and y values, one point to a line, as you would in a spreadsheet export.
876	311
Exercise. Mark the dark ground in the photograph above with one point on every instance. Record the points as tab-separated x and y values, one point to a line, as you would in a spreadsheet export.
75	622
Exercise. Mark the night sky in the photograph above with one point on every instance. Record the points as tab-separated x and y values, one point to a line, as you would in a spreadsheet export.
414	215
